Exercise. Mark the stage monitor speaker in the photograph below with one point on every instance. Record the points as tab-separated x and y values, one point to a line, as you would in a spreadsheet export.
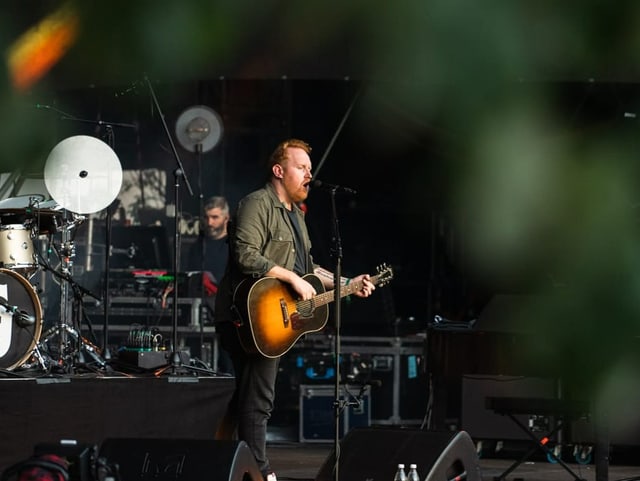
374	454
180	459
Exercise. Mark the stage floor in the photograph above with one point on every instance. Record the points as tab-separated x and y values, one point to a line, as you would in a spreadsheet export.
92	409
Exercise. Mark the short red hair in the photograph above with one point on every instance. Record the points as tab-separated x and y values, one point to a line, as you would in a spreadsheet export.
279	155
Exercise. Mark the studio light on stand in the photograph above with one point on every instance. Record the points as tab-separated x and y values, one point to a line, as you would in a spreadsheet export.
199	130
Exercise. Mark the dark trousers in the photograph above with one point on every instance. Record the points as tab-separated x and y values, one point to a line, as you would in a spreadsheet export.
252	402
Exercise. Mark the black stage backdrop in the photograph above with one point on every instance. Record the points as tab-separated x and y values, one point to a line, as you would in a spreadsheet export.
92	410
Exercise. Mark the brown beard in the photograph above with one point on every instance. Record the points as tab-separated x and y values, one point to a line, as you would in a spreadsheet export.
300	195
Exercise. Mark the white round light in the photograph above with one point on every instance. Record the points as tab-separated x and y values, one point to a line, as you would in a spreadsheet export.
83	174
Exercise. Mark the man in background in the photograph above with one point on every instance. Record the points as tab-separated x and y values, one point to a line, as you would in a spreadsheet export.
209	255
210	252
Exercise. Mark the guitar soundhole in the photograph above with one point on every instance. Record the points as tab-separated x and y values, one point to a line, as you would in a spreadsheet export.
305	308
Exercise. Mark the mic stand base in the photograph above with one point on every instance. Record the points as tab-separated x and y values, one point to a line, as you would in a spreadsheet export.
178	368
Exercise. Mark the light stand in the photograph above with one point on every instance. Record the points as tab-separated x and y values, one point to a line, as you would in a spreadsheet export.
203	252
199	129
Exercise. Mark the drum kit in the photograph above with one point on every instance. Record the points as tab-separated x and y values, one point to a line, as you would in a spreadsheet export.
83	175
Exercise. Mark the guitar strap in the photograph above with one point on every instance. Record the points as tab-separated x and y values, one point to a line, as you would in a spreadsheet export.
236	317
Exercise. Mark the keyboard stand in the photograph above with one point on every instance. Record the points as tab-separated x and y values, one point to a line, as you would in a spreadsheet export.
510	406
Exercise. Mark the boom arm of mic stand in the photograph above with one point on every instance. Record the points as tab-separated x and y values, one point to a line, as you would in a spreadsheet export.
70	280
168	134
99	122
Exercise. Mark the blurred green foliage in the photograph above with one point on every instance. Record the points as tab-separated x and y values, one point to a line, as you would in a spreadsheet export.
537	197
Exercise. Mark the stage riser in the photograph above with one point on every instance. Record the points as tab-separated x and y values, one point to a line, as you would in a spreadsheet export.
92	410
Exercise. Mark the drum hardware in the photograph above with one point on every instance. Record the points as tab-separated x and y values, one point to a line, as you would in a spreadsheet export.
70	346
71	352
21	222
68	353
36	359
24	219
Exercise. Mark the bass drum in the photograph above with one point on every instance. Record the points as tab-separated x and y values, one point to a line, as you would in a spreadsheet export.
18	340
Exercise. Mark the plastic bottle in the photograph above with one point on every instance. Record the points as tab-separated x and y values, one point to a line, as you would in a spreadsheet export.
413	473
400	473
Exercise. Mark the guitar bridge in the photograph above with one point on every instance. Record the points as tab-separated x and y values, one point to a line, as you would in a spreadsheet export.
285	312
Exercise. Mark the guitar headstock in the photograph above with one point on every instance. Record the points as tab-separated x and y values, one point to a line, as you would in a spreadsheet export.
384	275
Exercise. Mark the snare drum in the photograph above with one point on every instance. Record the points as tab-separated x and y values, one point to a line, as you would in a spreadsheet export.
18	342
17	251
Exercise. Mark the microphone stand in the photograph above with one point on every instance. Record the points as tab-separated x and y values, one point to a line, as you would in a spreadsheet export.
338	404
175	363
106	353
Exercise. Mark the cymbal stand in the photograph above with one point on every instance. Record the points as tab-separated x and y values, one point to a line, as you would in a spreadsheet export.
68	329
67	252
60	358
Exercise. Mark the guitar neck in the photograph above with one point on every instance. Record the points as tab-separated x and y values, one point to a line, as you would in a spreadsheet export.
329	296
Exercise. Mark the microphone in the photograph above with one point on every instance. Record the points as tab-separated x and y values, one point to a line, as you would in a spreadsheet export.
23	319
336	188
20	317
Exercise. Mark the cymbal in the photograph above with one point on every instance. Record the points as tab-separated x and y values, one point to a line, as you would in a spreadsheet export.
21	201
198	125
83	174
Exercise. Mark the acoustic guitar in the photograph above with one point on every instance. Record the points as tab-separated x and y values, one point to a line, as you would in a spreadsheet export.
273	319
